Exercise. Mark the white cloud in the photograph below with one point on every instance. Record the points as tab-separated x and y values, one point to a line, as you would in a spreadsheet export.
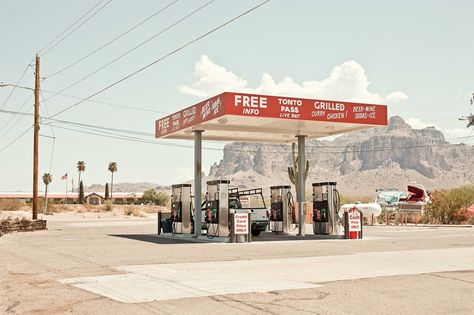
416	123
212	78
347	81
396	97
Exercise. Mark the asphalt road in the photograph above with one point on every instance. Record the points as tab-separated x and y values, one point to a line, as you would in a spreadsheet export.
117	266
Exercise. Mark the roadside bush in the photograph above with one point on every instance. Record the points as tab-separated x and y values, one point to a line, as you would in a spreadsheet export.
161	199
108	205
149	195
10	205
133	210
449	205
50	207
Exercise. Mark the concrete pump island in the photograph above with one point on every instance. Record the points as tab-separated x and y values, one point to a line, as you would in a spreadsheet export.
245	117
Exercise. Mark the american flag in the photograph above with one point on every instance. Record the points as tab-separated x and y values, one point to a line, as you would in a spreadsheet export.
64	176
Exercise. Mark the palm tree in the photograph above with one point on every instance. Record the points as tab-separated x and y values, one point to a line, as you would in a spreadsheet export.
81	167
47	179
112	169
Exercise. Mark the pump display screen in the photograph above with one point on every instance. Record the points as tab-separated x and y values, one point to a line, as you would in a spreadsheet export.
277	211
176	211
212	211
320	211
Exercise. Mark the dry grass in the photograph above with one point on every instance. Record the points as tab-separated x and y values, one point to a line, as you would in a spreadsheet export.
10	205
133	210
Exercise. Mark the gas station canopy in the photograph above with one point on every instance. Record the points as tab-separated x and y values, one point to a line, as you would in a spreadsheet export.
263	118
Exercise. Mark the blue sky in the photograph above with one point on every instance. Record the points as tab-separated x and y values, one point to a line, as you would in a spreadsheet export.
415	56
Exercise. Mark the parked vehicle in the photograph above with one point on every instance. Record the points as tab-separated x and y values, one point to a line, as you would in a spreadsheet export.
249	199
414	200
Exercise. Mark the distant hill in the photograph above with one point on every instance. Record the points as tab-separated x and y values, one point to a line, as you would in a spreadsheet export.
128	187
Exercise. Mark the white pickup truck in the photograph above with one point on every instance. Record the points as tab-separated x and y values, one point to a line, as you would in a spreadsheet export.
251	199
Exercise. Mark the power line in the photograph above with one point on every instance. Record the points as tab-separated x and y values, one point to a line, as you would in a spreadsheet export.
133	49
11	118
325	149
106	103
135	139
111	41
72	25
15	85
15	140
74	29
163	57
149	134
45	109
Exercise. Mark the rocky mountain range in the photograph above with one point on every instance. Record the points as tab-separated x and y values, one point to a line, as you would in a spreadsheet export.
360	162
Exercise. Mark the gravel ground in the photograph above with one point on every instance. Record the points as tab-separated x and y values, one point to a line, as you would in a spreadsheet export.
77	246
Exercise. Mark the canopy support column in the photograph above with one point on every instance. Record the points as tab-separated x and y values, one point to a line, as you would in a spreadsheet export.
197	181
301	184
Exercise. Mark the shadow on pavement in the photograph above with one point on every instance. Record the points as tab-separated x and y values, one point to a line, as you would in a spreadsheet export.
154	239
271	237
264	237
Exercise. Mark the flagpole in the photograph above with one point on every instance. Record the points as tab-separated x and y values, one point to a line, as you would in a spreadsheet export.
66	192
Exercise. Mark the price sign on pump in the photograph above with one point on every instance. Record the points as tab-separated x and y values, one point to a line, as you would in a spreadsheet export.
241	223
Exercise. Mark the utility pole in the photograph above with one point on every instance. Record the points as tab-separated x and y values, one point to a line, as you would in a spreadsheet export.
36	139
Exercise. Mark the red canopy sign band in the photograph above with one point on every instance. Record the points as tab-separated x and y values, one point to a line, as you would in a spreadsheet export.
265	106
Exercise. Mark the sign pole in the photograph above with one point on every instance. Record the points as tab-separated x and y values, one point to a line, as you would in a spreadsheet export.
301	185
66	192
197	181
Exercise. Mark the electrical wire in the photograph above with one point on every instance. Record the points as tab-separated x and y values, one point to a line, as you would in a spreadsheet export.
375	149
45	109
164	56
106	103
16	139
96	129
74	29
16	85
132	49
13	116
111	41
72	25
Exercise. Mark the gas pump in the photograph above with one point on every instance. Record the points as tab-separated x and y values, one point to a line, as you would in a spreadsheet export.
181	206
216	216
326	203
282	210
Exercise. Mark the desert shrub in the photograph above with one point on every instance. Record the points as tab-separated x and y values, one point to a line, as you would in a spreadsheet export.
449	205
108	205
10	204
133	210
161	199
150	195
59	208
50	207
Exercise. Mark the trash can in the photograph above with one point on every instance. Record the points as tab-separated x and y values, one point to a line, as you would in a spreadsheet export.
167	225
